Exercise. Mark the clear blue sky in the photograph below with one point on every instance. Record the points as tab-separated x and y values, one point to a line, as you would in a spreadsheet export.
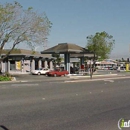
73	20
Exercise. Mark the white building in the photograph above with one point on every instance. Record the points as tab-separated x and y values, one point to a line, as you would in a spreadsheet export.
21	60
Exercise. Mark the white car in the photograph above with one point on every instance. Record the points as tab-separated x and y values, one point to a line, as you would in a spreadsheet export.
40	71
121	69
105	68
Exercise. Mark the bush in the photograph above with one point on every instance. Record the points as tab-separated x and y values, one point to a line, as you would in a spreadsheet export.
6	74
5	78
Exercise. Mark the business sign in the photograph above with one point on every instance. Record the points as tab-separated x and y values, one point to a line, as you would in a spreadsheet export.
127	67
124	124
18	65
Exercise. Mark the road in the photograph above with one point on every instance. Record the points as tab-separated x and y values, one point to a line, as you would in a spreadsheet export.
64	106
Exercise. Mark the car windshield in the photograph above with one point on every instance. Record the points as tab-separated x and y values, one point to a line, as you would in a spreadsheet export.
58	69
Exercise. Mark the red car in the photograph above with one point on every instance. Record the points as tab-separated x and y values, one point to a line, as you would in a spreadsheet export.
56	73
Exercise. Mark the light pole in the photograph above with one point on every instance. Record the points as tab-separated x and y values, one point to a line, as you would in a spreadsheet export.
22	64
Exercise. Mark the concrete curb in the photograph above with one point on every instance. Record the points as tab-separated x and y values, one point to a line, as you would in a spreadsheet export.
1	82
105	75
101	79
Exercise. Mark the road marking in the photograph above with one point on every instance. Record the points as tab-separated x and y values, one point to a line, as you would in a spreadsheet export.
109	80
56	82
43	99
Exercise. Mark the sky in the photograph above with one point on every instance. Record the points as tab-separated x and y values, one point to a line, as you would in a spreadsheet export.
74	20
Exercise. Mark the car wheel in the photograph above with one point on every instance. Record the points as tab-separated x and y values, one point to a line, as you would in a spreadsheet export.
65	74
38	73
55	75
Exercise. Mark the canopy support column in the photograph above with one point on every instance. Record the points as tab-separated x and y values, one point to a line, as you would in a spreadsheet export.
67	62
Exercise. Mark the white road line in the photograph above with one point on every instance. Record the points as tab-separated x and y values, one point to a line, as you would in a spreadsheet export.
43	99
109	80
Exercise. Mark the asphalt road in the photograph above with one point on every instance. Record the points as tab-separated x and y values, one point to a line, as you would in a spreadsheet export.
64	106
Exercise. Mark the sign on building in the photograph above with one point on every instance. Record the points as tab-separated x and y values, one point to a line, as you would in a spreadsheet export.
127	67
18	65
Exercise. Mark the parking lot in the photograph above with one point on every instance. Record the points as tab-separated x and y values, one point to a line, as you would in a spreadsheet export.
33	78
30	77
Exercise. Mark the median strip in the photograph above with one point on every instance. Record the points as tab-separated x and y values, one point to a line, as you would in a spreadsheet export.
88	80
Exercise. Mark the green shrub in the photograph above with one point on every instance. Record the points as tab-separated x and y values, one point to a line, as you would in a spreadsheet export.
5	78
6	74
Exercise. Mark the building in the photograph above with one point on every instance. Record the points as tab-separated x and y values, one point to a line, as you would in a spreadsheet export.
23	61
106	63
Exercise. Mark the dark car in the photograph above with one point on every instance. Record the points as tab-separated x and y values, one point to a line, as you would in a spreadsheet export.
57	72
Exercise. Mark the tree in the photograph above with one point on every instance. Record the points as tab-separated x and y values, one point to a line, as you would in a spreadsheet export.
18	25
58	58
101	44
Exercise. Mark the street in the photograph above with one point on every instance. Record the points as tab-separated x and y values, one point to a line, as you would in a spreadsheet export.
59	105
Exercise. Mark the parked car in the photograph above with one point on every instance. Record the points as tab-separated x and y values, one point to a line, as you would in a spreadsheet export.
40	71
121	69
105	68
110	68
57	72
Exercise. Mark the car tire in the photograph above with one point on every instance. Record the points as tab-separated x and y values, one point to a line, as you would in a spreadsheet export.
65	74
55	75
38	73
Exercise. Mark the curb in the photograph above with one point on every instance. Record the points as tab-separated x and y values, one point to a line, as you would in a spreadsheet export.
92	80
77	77
19	81
8	82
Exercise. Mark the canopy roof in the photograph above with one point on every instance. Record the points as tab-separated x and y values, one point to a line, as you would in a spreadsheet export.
23	52
63	48
82	55
106	63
